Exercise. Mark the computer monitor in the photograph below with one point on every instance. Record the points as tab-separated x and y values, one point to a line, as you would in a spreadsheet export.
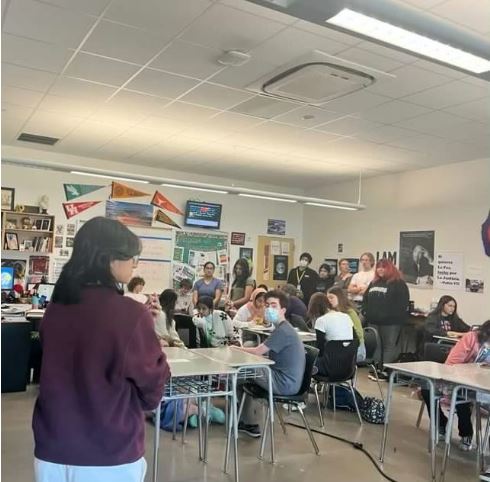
45	289
7	278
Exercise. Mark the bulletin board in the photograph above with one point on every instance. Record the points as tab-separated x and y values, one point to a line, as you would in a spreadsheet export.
193	249
275	258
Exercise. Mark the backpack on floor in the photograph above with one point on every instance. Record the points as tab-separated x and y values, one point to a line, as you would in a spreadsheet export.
344	399
373	410
167	415
407	357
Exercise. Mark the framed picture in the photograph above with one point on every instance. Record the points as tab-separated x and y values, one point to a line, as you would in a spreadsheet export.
247	253
12	241
46	224
280	268
28	244
8	198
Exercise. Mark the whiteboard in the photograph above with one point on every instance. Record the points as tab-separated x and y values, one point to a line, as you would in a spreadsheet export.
155	273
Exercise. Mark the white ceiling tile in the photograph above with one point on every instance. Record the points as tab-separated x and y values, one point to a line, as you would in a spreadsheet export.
26	78
160	83
473	14
51	124
23	97
386	51
92	7
385	134
423	4
100	69
327	32
14	116
137	103
188	59
408	81
228	28
430	122
456	92
187	112
356	102
125	42
45	22
216	96
477	110
368	59
264	107
81	89
157	15
260	11
419	142
168	127
448	71
291	43
307	117
394	111
70	106
349	125
34	54
241	77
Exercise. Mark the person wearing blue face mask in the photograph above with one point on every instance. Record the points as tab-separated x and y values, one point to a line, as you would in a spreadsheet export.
285	348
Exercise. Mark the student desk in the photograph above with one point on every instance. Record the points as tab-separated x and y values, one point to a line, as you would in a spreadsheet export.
305	336
467	376
449	340
195	376
246	365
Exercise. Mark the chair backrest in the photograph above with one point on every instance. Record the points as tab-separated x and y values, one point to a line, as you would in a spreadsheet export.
298	322
186	329
311	354
339	359
371	338
436	352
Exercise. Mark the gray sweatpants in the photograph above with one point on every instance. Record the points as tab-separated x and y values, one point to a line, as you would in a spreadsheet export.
390	342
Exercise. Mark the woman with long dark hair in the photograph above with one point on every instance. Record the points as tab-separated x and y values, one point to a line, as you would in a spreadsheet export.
385	306
208	285
165	323
444	320
242	286
102	365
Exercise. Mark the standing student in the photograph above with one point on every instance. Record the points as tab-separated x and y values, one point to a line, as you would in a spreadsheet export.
444	320
325	279
344	276
184	298
242	286
102	365
208	285
385	306
304	278
360	280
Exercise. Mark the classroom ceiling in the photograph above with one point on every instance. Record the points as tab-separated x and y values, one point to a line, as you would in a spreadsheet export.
139	83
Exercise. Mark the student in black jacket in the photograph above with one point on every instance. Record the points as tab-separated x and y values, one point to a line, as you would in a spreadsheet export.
304	278
444	319
385	306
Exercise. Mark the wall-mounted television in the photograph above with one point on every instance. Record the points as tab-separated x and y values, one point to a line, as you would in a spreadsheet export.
203	215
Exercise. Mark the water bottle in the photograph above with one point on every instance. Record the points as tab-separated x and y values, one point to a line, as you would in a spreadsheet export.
35	302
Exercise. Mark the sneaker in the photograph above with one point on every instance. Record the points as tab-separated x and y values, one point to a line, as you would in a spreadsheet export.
193	421
442	432
294	408
465	444
216	415
250	430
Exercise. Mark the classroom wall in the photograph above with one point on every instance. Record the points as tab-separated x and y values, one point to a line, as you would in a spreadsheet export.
453	200
239	214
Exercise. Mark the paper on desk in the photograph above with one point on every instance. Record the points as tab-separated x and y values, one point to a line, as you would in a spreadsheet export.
178	360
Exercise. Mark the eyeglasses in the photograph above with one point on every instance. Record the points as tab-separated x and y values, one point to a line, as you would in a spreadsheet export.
136	260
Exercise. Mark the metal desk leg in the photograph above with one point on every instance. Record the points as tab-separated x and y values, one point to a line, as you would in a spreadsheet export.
271	415
199	425
387	416
228	439
432	429
264	432
206	429
234	422
186	420
156	441
449	427
174	422
479	441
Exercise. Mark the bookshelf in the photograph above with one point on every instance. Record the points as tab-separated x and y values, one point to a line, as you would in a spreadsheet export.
27	233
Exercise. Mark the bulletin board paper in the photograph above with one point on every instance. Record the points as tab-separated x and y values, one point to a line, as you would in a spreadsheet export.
155	273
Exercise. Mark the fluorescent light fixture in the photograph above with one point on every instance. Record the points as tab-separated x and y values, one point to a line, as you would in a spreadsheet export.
106	176
333	206
178	186
270	198
385	32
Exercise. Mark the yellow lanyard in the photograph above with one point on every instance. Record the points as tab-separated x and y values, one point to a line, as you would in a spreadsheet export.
298	277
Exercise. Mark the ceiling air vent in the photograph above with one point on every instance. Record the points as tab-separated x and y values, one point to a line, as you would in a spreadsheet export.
315	79
36	139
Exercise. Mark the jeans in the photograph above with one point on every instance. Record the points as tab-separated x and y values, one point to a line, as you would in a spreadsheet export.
390	342
465	428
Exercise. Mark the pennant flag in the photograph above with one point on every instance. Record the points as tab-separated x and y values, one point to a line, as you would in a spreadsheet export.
163	218
72	209
121	190
72	191
160	201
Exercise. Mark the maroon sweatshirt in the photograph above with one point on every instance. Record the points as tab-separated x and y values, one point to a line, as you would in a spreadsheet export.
102	366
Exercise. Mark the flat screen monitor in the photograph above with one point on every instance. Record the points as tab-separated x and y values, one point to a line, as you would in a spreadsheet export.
45	289
203	215
7	278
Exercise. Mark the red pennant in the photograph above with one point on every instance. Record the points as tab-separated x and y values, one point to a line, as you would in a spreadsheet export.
122	191
72	209
163	218
160	201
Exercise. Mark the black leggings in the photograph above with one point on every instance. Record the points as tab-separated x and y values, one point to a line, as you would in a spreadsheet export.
463	410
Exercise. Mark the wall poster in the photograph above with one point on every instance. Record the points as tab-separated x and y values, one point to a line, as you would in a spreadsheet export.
417	257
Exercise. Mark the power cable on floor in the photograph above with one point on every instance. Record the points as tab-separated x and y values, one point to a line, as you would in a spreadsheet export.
356	445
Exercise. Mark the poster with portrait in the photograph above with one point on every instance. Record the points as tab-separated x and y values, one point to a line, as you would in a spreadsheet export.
332	263
280	272
417	257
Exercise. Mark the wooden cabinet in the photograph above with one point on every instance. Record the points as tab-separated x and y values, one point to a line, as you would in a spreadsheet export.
29	233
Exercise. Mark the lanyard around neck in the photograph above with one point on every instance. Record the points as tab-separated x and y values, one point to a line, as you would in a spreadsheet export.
298	277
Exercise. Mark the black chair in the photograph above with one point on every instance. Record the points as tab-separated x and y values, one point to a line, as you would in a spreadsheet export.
186	329
339	362
16	346
296	400
371	342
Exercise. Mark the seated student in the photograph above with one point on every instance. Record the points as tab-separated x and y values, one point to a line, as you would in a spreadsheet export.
283	347
333	325
339	302
264	287
135	289
473	347
164	322
184	303
325	279
208	285
317	307
295	305
253	311
444	320
217	325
